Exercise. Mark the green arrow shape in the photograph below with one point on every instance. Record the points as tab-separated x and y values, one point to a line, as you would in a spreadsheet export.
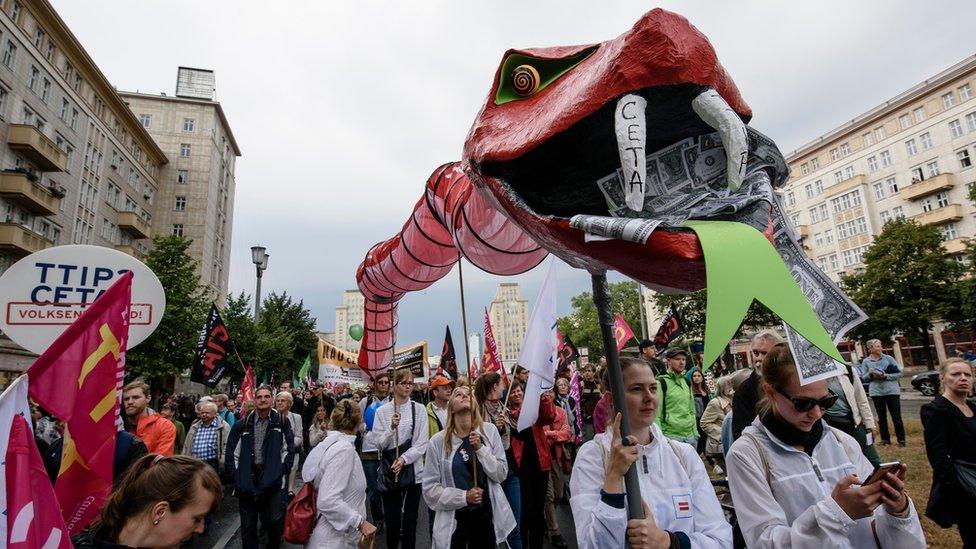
741	265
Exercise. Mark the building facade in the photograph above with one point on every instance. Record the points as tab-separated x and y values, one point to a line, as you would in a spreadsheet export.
911	157
509	314
77	167
196	198
349	312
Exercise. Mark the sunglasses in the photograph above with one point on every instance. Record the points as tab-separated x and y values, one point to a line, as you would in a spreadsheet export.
807	404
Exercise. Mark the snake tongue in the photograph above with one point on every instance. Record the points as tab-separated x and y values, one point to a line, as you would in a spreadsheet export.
630	128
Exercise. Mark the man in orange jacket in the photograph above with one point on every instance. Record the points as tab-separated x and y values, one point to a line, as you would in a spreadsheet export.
157	432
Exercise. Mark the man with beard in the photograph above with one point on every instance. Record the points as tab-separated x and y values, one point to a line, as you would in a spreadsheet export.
158	433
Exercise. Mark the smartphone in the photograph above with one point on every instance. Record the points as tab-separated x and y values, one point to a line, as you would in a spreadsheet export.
880	472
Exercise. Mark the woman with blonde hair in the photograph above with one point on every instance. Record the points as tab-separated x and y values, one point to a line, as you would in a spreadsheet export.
334	467
160	503
712	419
465	466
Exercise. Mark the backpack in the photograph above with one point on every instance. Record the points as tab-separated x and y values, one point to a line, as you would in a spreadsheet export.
301	515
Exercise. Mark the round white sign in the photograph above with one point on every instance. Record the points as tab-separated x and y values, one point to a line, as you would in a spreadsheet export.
43	293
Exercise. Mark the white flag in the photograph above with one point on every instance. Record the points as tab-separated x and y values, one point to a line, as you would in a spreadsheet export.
538	354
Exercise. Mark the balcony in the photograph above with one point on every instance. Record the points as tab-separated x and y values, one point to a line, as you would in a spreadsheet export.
131	250
133	224
929	186
846	185
802	231
19	189
955	246
30	142
21	240
952	212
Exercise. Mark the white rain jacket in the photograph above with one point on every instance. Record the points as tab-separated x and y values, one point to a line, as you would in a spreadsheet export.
335	469
417	433
673	482
782	495
443	498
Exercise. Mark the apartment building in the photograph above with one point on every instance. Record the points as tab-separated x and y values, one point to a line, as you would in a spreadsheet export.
509	314
348	313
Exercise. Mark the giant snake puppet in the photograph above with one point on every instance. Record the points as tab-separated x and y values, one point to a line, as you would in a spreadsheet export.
633	155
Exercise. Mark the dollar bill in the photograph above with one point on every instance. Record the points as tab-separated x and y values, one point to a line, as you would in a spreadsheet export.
620	228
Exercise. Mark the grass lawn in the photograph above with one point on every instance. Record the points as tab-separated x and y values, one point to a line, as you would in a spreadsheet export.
919	481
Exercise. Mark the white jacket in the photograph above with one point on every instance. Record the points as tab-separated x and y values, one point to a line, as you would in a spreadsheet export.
335	469
673	482
443	498
383	437
787	502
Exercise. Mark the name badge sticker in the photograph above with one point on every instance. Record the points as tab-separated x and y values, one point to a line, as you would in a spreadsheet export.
682	506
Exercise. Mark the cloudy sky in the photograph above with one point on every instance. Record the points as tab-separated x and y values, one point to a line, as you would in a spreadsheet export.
343	108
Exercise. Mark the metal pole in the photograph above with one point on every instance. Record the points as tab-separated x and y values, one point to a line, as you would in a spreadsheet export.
643	315
601	298
464	318
257	296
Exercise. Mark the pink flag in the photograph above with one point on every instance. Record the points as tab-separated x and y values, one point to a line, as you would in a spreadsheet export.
621	332
574	391
79	380
491	362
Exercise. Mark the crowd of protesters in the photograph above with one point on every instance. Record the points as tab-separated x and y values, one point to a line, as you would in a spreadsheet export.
796	458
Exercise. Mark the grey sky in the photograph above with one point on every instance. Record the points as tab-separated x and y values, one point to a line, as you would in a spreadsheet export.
342	109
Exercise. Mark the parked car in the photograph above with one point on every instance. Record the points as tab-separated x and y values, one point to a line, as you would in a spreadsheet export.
926	383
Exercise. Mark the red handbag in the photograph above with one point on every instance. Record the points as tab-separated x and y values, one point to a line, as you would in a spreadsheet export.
301	516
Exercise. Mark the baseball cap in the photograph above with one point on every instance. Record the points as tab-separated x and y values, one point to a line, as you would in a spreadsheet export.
439	381
675	351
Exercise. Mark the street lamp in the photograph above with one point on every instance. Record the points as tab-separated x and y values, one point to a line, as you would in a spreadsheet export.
260	259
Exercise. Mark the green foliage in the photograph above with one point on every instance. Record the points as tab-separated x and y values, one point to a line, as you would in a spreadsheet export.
692	308
583	325
908	282
170	350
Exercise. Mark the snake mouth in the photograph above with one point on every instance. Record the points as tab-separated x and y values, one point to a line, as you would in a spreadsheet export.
559	177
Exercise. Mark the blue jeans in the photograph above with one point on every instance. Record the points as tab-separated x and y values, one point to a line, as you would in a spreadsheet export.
512	493
371	468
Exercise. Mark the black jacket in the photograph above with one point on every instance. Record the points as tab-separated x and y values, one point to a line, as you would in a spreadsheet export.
744	404
278	454
948	434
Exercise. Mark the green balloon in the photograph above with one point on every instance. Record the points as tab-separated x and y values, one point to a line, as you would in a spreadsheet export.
356	331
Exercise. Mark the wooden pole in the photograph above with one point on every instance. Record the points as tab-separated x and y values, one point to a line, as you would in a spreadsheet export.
464	317
601	298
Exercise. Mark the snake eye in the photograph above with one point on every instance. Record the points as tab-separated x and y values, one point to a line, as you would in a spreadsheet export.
525	80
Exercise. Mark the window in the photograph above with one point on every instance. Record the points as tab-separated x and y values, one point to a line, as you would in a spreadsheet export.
965	92
795	220
38	38
845	149
45	90
950	231
932	168
824	214
177	229
818	239
955	129
834	265
822	263
971	121
3	101
905	120
867	140
919	114
834	155
848	172
885	158
964	160
180	204
872	164
64	110
948	100
942	199
879	134
805	168
838	176
112	197
15	11
35	74
818	187
927	205
130	205
188	124
829	236
790	199
846	201
815	162
9	54
898	212
885	216
184	149
145	120
814	215
879	191
918	174
74	119
183	176
808	189
926	140
911	147
49	54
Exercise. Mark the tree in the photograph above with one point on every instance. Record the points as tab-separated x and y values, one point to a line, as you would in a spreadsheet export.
908	282
583	325
170	350
692	307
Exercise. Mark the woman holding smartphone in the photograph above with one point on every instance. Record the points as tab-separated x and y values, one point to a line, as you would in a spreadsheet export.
796	481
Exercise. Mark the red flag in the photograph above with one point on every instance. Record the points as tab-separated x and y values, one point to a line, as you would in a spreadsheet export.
490	361
247	386
473	369
79	380
621	332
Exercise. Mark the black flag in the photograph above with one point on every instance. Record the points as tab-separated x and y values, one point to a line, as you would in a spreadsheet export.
448	359
567	354
213	350
671	328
